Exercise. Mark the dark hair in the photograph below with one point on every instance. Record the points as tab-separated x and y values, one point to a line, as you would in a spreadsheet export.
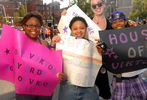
143	22
30	15
77	18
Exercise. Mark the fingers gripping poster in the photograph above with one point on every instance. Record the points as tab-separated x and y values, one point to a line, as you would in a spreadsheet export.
73	11
29	65
81	61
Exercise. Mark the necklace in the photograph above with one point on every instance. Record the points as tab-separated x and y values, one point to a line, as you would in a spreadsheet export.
100	23
95	21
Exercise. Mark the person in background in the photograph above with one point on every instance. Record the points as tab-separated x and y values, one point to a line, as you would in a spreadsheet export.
55	30
102	81
128	84
67	90
143	22
131	23
47	32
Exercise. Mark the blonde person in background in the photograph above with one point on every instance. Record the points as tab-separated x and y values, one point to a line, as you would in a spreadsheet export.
102	81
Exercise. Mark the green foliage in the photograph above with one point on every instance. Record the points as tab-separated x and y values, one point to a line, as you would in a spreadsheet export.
16	17
84	5
3	19
139	9
22	11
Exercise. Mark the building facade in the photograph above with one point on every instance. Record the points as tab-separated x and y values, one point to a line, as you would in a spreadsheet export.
49	11
123	5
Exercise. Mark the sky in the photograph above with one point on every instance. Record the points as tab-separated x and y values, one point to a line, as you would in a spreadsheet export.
63	3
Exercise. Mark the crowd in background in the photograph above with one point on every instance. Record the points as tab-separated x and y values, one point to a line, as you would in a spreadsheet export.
48	31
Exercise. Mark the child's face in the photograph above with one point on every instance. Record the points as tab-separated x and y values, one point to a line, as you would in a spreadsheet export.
32	28
119	23
78	29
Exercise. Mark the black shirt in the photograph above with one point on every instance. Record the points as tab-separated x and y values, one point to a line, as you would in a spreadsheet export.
102	81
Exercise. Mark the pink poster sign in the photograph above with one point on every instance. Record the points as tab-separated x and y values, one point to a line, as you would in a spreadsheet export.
32	67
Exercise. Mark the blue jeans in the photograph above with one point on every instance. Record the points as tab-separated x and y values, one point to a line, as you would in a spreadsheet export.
72	92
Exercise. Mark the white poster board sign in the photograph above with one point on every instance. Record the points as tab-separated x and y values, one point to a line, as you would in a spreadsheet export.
81	60
73	11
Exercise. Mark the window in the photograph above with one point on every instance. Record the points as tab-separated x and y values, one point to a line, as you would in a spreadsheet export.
7	6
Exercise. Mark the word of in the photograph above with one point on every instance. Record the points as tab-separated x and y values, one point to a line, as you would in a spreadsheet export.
132	53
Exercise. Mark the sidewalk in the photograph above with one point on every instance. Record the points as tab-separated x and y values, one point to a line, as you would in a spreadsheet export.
7	91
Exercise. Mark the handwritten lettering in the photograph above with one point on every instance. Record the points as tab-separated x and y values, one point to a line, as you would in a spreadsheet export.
19	65
75	14
113	37
20	78
11	68
50	67
90	29
35	71
144	33
39	83
135	37
31	55
132	53
15	51
122	64
124	38
41	61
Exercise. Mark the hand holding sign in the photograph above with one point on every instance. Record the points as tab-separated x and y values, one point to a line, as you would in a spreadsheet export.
33	71
80	59
73	11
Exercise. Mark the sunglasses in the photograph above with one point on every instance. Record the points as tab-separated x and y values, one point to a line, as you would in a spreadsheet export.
100	4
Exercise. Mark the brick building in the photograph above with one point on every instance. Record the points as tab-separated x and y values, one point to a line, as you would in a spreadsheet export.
47	10
11	6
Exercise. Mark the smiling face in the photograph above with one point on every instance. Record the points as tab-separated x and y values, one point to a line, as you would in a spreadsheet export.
97	6
32	28
119	23
78	29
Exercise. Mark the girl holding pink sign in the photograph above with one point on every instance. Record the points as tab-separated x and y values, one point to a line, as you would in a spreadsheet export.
31	24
